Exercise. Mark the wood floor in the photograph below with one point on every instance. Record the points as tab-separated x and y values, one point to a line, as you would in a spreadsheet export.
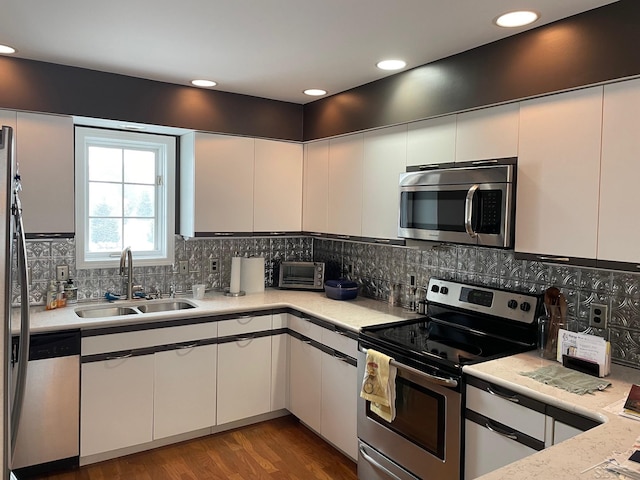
278	449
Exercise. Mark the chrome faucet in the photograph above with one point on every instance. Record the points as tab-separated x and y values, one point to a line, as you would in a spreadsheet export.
127	259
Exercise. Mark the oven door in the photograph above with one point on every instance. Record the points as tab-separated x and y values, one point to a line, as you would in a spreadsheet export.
424	438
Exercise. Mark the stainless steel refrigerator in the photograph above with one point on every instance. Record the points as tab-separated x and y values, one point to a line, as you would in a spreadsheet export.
13	260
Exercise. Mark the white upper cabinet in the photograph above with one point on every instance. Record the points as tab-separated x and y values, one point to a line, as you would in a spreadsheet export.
44	151
558	174
385	153
619	222
345	185
316	187
432	141
216	183
277	196
488	133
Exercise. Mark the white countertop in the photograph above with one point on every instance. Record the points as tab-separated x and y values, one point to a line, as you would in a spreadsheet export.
568	459
349	314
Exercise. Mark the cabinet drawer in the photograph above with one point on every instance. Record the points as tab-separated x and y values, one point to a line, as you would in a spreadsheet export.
244	324
147	338
280	320
306	328
340	342
506	407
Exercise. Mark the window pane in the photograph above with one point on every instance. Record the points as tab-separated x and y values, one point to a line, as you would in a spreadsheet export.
105	234
140	166
139	234
105	199
139	201
105	164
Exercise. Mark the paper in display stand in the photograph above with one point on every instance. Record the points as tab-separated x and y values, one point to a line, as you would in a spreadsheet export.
587	347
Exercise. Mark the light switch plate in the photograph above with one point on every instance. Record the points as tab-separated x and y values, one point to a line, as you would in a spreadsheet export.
62	273
183	267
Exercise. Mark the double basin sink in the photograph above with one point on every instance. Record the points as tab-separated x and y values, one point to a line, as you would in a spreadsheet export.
152	306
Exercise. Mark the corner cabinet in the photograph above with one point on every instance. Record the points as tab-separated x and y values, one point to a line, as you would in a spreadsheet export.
316	187
345	185
277	194
558	176
44	151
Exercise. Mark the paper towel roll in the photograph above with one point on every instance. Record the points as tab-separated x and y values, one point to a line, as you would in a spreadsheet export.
236	267
252	275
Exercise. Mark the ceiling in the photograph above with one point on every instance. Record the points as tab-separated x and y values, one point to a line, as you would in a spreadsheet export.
266	48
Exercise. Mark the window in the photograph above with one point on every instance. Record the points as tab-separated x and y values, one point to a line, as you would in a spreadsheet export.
124	197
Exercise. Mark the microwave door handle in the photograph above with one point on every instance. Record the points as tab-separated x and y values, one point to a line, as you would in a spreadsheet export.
468	211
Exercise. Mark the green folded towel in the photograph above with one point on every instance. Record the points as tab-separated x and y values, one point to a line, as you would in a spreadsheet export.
567	379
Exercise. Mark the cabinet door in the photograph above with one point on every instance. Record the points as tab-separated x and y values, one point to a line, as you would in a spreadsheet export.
385	153
316	187
279	372
244	379
184	390
339	404
345	185
558	174
488	133
116	404
618	225
44	150
562	432
432	141
223	183
305	370
486	451
277	200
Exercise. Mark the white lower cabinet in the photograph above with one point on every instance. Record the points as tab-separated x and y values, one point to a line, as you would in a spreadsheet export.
244	379
116	404
184	390
305	373
339	404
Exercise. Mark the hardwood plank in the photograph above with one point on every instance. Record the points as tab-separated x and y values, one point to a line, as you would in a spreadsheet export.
280	449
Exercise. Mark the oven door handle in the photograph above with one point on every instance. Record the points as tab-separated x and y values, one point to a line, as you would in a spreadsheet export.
444	382
378	465
468	211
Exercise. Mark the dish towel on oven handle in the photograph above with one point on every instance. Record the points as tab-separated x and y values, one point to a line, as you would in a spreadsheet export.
379	384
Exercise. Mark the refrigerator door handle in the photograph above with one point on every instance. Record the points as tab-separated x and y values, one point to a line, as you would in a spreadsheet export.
23	346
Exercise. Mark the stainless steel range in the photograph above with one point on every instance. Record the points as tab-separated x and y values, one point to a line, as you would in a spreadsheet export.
465	324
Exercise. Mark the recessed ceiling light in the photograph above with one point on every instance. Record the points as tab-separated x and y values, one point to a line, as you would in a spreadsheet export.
391	64
204	83
6	49
315	92
516	19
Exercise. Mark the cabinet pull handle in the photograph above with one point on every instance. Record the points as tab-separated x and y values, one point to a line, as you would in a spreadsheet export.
276	233
511	436
382	240
342	358
555	259
340	332
121	357
307	342
244	317
245	339
184	347
513	398
222	234
343	237
483	162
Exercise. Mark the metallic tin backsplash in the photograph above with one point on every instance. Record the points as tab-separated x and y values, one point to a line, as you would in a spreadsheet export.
375	267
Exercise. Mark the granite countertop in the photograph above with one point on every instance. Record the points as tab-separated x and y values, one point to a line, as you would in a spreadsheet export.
349	314
566	460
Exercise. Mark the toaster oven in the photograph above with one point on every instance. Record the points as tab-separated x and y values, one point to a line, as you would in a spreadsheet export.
301	275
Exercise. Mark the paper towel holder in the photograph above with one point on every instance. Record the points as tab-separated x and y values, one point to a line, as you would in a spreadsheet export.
228	293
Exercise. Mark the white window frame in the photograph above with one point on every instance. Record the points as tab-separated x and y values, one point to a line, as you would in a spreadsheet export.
165	202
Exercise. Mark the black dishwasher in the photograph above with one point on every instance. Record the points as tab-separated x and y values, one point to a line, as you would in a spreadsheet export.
48	435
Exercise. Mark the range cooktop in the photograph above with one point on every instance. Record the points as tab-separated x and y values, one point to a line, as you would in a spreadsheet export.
464	324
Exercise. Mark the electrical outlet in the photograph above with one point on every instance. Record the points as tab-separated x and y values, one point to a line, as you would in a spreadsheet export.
213	265
62	273
349	268
183	267
598	315
412	280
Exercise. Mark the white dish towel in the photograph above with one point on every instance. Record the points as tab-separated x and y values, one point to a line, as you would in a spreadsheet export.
379	384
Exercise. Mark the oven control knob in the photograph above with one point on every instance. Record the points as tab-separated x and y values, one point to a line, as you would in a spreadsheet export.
444	290
435	289
512	304
525	306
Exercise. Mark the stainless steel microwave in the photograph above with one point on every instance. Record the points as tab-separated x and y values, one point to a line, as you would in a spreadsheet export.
471	204
301	275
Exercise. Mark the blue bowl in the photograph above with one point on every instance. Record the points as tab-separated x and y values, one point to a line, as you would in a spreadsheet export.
341	289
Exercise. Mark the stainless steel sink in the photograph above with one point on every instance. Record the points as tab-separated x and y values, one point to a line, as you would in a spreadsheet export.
164	306
99	312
